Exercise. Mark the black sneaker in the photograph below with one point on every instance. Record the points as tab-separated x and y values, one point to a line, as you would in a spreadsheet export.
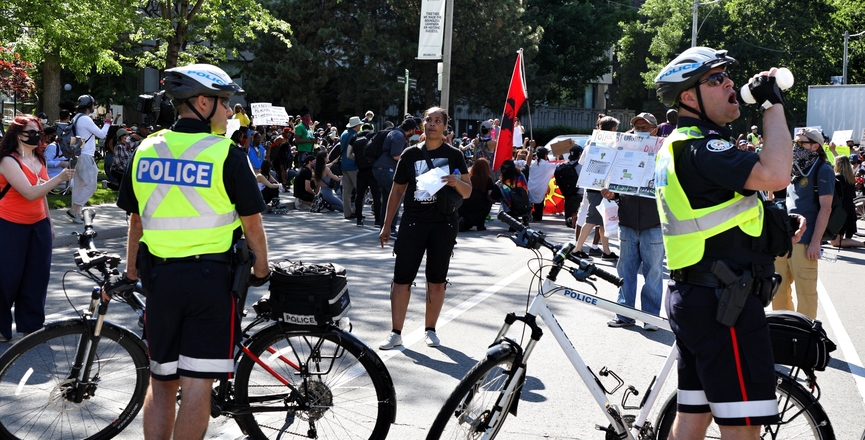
619	323
595	252
610	257
583	255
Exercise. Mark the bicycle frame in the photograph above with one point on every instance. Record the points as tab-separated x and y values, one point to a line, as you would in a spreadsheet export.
539	308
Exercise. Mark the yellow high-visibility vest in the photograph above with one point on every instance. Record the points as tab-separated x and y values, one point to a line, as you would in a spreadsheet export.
185	210
686	229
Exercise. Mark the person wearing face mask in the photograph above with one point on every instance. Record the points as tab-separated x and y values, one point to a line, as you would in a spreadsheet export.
26	228
810	167
122	154
641	245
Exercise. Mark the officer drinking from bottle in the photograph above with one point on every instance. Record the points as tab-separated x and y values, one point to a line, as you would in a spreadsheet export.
715	240
191	195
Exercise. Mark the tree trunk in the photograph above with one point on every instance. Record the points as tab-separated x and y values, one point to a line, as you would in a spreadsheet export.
51	86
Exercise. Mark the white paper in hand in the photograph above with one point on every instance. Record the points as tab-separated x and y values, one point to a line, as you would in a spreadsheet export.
431	181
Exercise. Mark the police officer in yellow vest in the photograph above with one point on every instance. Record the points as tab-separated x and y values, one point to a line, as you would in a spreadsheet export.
191	195
711	217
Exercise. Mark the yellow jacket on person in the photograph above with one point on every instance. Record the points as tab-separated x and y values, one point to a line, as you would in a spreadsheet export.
185	209
686	229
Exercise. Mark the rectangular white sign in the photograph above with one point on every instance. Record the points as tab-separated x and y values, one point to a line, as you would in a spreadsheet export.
621	162
432	30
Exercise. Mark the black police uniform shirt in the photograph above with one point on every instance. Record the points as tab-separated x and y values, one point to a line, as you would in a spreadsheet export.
412	163
711	170
237	176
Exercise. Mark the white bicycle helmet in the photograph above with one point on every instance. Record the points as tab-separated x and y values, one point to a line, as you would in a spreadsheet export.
685	71
182	83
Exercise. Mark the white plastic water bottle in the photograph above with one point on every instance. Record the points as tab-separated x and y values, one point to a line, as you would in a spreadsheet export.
783	77
828	257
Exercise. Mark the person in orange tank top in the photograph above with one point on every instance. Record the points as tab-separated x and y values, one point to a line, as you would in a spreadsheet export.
26	230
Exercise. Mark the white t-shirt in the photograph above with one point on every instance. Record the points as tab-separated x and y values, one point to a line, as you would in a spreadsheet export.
518	136
539	180
86	129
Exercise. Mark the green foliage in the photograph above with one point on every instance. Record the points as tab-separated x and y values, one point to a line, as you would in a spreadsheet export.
577	36
759	35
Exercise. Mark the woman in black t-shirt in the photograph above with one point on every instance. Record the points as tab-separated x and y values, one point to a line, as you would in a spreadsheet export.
423	229
304	188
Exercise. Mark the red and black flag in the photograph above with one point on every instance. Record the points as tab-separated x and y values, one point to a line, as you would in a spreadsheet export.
516	97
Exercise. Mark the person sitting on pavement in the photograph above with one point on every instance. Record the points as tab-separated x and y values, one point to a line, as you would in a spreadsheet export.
326	181
475	209
304	188
267	185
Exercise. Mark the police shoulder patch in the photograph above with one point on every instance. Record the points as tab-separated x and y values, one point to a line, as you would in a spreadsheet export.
718	145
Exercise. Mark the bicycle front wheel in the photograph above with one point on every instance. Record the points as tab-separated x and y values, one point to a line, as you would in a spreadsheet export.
478	405
339	388
38	388
802	417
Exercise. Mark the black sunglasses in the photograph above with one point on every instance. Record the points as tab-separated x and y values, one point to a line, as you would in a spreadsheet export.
31	133
715	79
801	143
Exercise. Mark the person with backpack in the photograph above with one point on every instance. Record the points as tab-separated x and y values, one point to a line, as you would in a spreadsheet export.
383	168
54	158
810	168
360	149
84	182
566	175
349	169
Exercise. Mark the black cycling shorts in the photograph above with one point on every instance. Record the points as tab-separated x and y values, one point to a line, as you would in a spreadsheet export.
192	321
436	239
729	371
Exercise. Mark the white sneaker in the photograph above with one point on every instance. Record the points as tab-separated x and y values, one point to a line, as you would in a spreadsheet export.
392	340
649	327
432	339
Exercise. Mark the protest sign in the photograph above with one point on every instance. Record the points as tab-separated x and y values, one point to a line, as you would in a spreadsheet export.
621	162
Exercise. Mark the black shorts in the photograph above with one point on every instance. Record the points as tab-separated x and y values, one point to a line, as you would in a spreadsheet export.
729	371
437	239
192	321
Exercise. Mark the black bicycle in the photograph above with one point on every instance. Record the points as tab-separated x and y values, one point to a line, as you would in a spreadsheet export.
86	377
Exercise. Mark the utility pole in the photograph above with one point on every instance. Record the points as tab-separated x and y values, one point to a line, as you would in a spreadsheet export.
408	83
446	55
846	40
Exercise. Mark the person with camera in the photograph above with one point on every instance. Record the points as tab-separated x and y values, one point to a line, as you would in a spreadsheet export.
183	229
425	227
84	182
718	240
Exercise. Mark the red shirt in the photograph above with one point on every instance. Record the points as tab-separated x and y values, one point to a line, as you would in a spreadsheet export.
17	209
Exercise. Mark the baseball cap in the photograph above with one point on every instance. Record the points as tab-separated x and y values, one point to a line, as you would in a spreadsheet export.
812	134
743	142
854	158
122	132
648	117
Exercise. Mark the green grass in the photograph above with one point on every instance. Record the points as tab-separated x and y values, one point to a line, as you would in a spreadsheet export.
101	196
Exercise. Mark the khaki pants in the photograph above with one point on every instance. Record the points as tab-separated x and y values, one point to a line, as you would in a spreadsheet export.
799	269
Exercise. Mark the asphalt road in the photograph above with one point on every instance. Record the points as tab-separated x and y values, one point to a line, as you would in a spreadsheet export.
490	277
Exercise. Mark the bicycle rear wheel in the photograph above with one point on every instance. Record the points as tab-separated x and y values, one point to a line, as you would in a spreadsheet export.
802	417
343	389
469	411
37	388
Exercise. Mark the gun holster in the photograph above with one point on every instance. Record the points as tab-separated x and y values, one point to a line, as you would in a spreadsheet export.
144	264
733	294
244	259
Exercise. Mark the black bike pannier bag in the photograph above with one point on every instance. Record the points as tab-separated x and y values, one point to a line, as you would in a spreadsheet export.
799	341
308	294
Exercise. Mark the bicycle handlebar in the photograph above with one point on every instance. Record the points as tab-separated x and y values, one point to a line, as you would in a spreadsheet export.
531	239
